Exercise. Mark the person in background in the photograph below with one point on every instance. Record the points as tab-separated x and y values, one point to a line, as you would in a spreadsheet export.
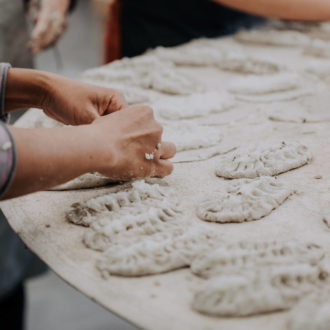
137	25
106	137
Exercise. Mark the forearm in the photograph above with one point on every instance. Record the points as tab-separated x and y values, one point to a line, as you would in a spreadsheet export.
26	88
302	10
48	157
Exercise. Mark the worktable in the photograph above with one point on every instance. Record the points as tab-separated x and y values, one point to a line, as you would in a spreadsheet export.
163	301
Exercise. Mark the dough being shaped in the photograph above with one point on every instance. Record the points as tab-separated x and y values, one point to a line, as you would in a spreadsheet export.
36	118
234	61
85	181
139	192
244	200
246	256
158	253
192	106
256	85
275	289
188	135
263	160
314	109
312	313
271	37
144	218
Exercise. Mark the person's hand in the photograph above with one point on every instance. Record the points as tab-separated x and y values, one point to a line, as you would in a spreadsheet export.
76	103
50	20
127	145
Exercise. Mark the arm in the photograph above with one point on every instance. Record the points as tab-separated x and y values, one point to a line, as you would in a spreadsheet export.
114	145
301	10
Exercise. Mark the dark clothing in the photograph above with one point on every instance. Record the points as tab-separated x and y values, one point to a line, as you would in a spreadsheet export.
148	23
12	310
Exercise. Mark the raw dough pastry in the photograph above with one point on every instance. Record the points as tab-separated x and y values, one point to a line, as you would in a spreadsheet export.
312	313
197	105
318	48
85	181
256	85
273	37
158	253
147	72
244	200
274	289
234	61
246	256
263	160
189	135
139	192
138	219
319	68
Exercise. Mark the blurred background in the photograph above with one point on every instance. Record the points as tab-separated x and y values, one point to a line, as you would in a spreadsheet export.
51	303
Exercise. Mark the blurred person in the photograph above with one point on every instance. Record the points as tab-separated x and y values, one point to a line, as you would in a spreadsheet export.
107	137
137	25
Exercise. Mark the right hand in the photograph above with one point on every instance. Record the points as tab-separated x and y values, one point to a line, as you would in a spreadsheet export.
121	140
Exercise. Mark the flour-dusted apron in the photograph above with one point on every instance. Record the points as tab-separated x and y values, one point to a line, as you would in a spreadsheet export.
16	261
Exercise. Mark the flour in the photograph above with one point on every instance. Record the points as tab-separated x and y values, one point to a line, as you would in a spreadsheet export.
243	200
274	289
245	256
272	37
256	85
192	106
157	253
318	48
319	68
188	135
260	160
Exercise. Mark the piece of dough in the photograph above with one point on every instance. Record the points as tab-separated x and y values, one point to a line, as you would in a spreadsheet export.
246	256
187	135
138	192
272	37
148	72
233	61
85	181
243	200
158	253
313	109
262	160
192	106
138	219
260	85
274	289
312	313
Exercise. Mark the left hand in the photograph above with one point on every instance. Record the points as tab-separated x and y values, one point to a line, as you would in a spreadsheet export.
76	103
50	21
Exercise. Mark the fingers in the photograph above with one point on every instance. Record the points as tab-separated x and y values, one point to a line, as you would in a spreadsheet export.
161	168
167	150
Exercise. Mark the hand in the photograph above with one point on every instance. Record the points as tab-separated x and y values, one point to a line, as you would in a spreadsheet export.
120	142
50	21
76	103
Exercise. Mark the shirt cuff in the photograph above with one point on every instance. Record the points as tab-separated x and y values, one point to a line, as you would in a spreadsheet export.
7	158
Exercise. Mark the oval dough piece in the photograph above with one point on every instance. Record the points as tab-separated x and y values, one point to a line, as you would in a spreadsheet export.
263	160
246	256
244	200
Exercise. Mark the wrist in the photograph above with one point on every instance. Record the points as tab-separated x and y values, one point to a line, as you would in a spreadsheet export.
26	88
